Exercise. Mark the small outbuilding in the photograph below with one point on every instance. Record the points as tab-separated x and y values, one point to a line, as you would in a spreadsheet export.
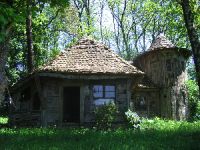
89	74
68	89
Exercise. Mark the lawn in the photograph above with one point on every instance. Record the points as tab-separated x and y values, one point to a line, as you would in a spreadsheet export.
154	134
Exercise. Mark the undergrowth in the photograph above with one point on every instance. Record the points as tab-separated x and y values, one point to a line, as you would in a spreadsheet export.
153	134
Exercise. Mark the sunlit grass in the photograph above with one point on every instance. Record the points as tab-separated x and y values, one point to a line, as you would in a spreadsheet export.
155	134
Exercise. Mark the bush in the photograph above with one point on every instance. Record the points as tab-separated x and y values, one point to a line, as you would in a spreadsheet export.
3	120
133	119
159	124
194	101
105	115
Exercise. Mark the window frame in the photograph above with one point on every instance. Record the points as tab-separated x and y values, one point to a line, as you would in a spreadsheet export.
104	91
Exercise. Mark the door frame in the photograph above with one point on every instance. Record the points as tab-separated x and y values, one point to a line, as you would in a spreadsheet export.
81	119
79	100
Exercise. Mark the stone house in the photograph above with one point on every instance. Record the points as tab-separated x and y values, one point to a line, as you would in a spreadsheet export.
89	74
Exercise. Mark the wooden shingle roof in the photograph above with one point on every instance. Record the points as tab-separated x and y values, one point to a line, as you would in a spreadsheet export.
160	43
90	57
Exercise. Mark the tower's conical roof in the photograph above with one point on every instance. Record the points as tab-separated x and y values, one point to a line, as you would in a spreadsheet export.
160	43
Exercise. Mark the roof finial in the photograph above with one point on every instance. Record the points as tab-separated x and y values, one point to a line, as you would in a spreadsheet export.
161	42
162	34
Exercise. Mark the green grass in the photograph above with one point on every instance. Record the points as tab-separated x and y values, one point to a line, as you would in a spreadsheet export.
155	134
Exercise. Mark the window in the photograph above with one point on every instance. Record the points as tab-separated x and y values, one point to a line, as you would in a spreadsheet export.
103	94
141	103
98	91
109	91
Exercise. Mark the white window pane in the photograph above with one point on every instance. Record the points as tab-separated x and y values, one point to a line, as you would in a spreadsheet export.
110	94
110	88
102	101
98	91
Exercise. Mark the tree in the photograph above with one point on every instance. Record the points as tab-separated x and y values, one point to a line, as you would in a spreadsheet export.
138	23
192	34
30	59
52	29
6	21
13	11
86	19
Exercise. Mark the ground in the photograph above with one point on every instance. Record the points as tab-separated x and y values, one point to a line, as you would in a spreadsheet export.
154	134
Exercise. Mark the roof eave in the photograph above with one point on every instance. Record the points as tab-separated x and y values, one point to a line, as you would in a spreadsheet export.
185	52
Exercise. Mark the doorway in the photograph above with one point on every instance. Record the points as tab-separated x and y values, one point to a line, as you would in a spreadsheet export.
71	104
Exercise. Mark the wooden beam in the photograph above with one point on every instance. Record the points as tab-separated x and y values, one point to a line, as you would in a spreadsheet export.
39	90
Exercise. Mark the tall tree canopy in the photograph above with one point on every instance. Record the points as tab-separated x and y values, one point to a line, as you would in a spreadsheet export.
13	13
191	14
34	31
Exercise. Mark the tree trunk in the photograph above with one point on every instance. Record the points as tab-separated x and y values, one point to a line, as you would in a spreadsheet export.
101	20
193	36
4	49
87	9
30	65
3	57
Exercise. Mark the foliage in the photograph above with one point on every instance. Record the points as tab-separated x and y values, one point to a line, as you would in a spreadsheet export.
159	124
105	115
133	119
168	125
127	26
138	23
3	120
191	69
194	101
191	11
47	25
183	135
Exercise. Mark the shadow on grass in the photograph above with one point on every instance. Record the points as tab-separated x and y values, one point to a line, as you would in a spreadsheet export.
86	139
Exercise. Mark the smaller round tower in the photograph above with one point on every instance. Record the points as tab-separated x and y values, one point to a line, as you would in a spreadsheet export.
165	65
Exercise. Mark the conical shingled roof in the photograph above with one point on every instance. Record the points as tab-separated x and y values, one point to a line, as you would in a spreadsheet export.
90	57
160	43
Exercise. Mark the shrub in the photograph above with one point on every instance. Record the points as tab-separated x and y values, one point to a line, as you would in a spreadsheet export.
3	120
105	115
159	124
194	101
133	119
197	114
